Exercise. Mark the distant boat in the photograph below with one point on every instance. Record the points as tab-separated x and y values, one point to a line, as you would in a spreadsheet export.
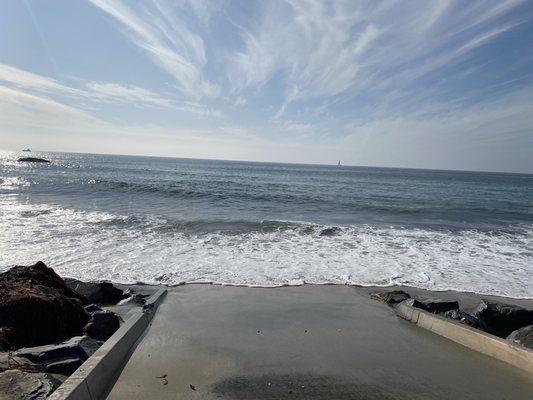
26	150
339	164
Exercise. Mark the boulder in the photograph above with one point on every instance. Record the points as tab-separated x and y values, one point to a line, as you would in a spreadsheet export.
92	308
522	336
332	231
33	159
463	317
19	385
80	347
64	367
97	292
36	308
139	298
102	325
392	297
433	305
502	319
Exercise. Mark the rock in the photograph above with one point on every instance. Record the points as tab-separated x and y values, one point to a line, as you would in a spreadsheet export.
392	297
97	292
463	317
64	367
36	307
102	325
522	336
332	231
502	319
18	385
139	299
92	308
80	347
4	360
433	306
33	159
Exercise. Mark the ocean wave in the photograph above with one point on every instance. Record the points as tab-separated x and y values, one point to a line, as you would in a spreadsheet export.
94	245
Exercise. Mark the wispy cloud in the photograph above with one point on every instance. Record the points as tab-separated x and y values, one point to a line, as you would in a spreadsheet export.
156	27
29	80
321	50
116	93
200	109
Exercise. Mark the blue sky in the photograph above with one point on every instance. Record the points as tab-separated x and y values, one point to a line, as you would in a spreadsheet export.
432	84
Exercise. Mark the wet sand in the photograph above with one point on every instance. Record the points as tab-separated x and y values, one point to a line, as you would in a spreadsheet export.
307	342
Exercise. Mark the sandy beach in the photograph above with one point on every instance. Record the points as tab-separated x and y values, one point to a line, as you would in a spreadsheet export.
305	342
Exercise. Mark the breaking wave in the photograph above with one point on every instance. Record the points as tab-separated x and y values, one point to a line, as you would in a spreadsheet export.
122	248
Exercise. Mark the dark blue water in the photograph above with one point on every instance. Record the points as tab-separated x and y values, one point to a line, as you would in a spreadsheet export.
271	222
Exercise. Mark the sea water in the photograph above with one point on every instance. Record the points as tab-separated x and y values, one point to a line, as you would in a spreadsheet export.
169	220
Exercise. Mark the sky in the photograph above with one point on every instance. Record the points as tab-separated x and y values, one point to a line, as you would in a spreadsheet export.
422	84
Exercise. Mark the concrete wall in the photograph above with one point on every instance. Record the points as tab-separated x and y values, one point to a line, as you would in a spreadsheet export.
96	376
474	339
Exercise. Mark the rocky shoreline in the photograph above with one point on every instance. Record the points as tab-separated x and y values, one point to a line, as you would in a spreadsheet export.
49	326
507	321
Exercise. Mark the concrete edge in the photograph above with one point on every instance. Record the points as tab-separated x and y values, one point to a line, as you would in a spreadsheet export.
467	336
95	376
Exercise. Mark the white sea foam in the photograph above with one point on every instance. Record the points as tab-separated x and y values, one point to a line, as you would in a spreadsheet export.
82	245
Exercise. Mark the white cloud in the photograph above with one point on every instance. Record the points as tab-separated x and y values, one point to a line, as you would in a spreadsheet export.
29	80
321	50
114	92
156	27
106	92
200	109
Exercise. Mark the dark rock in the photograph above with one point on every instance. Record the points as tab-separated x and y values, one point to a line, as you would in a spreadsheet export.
522	336
139	299
36	307
102	325
330	231
433	306
64	367
463	317
33	159
81	347
18	385
92	308
392	297
502	319
97	292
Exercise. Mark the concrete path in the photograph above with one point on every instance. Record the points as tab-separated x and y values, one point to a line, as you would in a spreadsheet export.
309	342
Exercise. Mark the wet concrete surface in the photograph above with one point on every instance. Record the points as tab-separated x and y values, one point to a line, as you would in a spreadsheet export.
308	342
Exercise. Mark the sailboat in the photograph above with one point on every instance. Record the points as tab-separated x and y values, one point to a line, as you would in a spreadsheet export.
339	163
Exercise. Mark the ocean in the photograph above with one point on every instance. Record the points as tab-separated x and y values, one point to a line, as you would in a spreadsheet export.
170	221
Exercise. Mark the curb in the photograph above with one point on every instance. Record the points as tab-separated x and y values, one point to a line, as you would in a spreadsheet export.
474	339
95	376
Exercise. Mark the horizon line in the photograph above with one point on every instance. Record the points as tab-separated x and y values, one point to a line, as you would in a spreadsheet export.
334	164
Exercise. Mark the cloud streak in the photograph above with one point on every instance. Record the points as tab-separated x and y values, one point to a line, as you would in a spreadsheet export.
156	28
